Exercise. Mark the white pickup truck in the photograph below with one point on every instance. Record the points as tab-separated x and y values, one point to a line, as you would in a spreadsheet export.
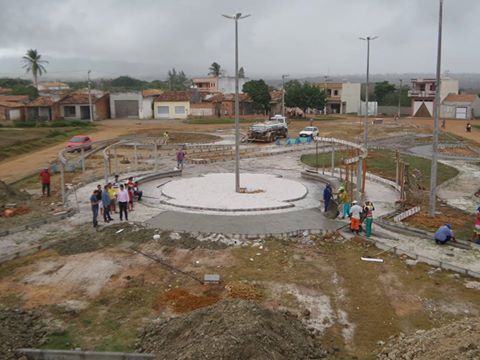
269	130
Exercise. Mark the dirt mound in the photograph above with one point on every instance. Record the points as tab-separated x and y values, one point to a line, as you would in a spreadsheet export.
458	340
230	329
181	301
19	329
10	195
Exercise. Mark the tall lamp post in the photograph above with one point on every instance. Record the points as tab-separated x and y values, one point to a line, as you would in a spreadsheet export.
236	17
400	99
436	113
283	93
365	134
367	39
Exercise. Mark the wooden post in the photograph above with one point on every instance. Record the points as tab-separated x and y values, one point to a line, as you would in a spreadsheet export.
155	155
397	171
83	163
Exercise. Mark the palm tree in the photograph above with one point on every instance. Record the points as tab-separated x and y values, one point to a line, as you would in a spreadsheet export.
215	69
241	72
33	62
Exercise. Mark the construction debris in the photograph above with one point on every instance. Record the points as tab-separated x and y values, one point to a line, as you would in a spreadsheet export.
457	340
230	329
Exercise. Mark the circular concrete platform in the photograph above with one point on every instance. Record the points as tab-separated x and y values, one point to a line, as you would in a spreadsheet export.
217	192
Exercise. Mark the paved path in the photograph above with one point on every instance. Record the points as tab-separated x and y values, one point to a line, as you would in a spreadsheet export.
244	224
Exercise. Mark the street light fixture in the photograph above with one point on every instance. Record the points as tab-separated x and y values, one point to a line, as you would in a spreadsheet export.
236	17
436	114
283	93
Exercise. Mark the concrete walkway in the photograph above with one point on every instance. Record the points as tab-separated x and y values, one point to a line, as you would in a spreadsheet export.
311	219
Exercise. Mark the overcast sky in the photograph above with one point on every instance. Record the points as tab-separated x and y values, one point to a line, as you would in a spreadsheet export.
301	37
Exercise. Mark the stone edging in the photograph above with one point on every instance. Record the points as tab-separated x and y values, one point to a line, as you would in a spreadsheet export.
425	259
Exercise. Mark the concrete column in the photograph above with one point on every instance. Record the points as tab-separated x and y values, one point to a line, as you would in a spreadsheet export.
135	156
62	183
333	158
115	158
358	191
106	166
155	154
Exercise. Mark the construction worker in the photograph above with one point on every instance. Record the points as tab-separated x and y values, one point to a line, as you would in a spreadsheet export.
368	209
327	195
355	213
45	180
345	201
444	234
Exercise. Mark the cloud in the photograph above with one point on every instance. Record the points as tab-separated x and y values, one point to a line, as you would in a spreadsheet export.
283	36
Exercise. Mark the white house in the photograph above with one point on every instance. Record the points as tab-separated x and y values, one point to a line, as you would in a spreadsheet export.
133	104
462	106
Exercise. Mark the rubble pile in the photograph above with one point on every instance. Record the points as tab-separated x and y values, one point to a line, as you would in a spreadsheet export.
8	194
230	329
457	340
19	329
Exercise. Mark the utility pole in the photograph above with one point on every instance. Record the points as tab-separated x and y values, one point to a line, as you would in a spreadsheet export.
400	98
236	17
283	94
436	113
365	134
90	96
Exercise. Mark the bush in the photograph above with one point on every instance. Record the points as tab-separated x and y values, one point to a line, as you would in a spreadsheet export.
69	123
55	133
24	124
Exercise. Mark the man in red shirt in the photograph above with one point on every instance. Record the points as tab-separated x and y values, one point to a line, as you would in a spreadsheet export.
45	180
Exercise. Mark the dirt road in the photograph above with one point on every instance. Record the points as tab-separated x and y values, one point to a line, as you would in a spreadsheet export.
20	166
456	127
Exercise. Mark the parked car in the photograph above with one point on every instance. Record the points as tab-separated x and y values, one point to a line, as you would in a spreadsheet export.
309	131
78	142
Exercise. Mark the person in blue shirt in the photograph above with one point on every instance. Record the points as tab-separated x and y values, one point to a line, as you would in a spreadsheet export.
106	205
94	202
327	195
444	234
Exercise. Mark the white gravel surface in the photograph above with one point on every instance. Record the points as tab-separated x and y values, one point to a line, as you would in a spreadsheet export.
217	192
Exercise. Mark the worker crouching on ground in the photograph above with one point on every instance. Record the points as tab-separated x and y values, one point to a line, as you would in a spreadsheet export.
444	234
368	211
355	213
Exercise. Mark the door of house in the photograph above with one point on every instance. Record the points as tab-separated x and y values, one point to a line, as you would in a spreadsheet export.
84	112
15	114
163	111
461	112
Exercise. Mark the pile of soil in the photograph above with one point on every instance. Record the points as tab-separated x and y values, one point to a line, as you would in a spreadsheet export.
181	301
457	340
19	329
230	329
10	195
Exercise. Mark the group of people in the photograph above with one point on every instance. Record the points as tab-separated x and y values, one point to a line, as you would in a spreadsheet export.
104	200
353	210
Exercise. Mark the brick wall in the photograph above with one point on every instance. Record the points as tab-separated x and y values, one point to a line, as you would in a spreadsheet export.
102	108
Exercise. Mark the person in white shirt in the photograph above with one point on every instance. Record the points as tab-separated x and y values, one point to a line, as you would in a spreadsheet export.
355	213
122	199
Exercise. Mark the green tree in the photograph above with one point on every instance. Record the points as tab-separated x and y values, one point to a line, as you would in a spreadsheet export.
29	90
304	95
382	89
127	82
215	69
177	80
32	62
241	72
259	93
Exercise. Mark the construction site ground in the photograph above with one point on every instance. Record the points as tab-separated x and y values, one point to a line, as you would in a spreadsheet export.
112	289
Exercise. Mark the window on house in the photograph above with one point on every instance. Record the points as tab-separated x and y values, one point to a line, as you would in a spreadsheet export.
179	110
335	92
69	111
162	110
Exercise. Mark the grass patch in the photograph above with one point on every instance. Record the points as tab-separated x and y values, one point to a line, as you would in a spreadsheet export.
54	124
476	127
17	141
206	121
382	163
